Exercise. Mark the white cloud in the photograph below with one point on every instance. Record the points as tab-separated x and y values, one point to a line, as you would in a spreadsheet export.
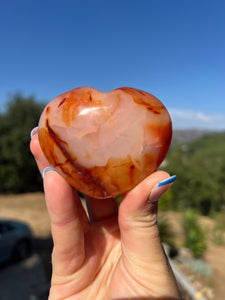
183	119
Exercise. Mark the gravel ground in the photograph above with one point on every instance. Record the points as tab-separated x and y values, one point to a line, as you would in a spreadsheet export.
24	280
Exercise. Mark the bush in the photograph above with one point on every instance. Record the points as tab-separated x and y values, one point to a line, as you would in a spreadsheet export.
194	235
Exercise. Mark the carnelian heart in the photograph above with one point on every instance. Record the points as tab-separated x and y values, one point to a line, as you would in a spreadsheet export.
104	144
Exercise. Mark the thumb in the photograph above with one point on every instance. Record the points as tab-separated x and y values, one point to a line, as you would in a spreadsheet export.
138	219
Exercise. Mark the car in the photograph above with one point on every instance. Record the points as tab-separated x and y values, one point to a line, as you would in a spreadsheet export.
15	241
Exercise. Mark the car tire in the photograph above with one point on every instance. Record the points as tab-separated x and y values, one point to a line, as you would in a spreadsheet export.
22	250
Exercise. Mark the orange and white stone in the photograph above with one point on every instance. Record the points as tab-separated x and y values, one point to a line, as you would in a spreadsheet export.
104	144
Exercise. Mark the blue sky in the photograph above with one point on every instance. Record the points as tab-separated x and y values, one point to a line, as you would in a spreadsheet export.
174	49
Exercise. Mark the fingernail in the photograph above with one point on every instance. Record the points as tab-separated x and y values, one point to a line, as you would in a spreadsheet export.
167	181
33	132
46	170
161	188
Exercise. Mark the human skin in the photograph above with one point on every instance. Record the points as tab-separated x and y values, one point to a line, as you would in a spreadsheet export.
116	256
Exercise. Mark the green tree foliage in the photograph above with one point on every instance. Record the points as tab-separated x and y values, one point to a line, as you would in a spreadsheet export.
18	172
200	170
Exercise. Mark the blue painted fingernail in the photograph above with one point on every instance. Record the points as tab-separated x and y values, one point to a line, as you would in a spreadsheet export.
46	170
167	181
33	132
160	189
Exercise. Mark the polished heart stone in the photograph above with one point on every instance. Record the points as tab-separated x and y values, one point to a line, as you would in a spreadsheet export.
104	144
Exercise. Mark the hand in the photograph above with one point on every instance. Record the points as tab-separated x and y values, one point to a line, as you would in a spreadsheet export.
116	256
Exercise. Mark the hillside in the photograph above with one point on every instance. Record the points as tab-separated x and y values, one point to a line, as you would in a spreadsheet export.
200	168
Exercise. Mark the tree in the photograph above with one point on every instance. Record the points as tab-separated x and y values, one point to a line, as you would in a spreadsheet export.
18	172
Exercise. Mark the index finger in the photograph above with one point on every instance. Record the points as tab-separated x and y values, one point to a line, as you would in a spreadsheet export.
67	216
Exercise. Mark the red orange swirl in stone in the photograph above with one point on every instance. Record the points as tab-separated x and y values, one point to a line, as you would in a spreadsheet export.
104	144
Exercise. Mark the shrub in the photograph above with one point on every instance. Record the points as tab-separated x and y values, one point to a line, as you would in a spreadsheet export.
194	236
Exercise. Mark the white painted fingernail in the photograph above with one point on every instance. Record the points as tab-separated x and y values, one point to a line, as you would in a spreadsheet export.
33	132
46	170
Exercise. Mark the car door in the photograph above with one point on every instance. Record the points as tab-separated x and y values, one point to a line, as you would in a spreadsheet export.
7	241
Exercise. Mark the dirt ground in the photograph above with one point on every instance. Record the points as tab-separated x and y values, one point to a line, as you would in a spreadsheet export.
31	209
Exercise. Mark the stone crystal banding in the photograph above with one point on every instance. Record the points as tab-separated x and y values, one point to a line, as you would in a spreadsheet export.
104	144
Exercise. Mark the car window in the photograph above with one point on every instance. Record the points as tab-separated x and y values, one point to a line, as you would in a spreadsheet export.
4	228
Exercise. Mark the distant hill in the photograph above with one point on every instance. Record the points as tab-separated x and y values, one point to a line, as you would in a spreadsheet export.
189	135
